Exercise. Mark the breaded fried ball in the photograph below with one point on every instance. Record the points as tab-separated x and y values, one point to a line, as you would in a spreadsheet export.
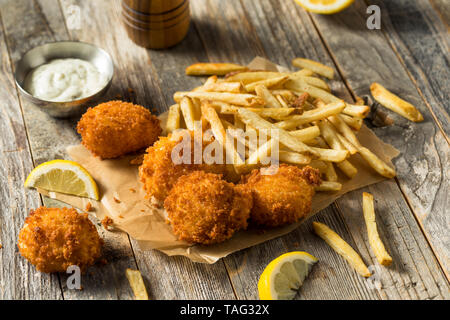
159	173
115	128
283	197
53	239
203	208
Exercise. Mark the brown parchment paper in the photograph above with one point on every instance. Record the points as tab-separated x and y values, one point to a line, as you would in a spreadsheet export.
123	199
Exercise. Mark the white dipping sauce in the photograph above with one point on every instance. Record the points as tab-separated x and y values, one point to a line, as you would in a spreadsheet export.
64	80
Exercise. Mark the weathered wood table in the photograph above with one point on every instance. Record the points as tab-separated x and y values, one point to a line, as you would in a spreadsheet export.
409	55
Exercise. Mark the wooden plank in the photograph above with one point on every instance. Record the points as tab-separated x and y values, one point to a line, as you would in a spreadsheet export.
49	138
422	171
421	40
295	34
154	76
18	279
443	10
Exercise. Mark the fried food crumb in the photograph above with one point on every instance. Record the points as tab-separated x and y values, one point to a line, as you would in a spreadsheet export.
116	200
107	222
121	216
88	207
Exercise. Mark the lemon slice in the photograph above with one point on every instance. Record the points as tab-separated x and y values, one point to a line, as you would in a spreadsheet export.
284	275
324	6
63	176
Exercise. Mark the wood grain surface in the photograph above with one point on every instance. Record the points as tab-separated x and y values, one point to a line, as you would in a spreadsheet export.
411	210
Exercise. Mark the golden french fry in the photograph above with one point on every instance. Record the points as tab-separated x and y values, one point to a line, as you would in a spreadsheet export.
294	157
376	163
188	111
219	133
266	95
253	76
306	134
300	73
394	103
331	154
241	99
263	152
328	133
314	66
274	113
374	239
301	86
329	186
330	173
313	81
173	118
341	247
268	83
345	130
347	144
233	87
206	69
286	94
352	122
253	119
347	168
312	115
137	284
281	101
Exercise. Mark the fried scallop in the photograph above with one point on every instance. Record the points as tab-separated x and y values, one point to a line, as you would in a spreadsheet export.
203	208
159	172
53	239
283	197
115	128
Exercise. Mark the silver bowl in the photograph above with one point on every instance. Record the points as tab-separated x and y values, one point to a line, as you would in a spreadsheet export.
62	50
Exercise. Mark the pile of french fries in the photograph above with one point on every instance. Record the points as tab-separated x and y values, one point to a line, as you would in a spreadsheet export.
314	127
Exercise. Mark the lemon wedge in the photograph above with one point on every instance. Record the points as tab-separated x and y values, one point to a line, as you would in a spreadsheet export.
63	176
324	6
284	275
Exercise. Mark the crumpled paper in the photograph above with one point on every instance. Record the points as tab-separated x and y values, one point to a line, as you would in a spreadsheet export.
123	199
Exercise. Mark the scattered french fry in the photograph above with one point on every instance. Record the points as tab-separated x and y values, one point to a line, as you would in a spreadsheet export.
206	69
394	103
342	248
314	66
137	284
374	239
